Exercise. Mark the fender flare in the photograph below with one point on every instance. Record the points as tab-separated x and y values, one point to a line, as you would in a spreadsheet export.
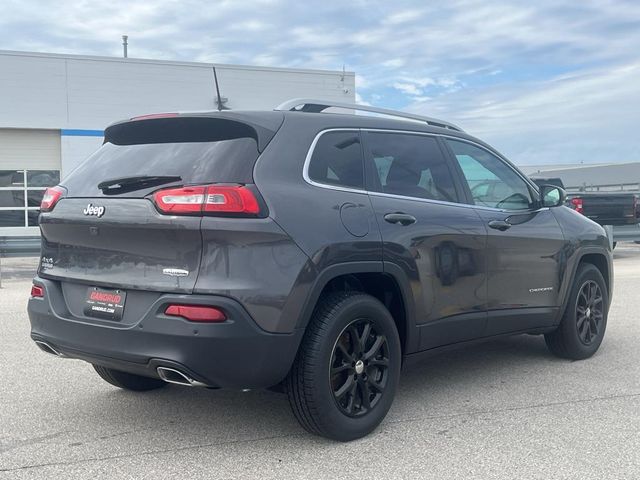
578	256
340	269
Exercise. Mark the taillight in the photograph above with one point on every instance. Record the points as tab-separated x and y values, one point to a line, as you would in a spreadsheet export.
50	198
37	291
577	204
231	199
196	313
180	200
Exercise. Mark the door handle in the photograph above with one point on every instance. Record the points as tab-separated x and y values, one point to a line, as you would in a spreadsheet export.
501	225
403	219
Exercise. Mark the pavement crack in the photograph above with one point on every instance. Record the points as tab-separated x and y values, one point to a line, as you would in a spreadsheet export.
151	452
514	409
28	441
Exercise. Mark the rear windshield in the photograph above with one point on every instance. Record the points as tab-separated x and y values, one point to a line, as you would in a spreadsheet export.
224	161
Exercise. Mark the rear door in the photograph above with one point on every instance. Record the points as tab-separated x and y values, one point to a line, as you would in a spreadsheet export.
526	250
116	236
438	242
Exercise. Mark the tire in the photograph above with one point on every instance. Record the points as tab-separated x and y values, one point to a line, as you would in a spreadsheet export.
354	336
584	322
128	381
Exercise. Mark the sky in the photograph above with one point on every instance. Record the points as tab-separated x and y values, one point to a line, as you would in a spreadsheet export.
545	82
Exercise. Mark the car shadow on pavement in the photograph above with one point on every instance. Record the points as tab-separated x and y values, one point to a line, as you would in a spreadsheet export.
193	416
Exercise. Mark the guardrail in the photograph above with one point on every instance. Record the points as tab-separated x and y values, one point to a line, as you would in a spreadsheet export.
11	247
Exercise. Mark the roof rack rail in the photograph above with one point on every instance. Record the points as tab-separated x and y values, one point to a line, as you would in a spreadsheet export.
317	106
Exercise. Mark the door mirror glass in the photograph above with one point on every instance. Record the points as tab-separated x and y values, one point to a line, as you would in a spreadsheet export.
552	196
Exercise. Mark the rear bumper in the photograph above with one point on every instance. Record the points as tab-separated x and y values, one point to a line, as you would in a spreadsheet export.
232	354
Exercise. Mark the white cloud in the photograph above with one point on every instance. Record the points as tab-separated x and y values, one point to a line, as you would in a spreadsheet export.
360	100
591	116
513	71
408	88
393	63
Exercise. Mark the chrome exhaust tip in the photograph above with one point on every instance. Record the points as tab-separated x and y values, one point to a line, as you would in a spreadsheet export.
45	347
171	375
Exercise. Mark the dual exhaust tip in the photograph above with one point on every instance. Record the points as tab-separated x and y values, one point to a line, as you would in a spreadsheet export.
45	347
169	375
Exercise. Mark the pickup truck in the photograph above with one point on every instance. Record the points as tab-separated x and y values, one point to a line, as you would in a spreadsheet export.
615	208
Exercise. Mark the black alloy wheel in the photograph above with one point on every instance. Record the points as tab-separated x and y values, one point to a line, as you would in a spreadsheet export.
359	368
589	312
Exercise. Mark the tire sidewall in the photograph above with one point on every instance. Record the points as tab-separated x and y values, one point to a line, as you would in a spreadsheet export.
337	424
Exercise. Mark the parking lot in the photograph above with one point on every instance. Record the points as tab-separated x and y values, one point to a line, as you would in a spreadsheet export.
503	409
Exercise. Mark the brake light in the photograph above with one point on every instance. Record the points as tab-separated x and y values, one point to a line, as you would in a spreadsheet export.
577	204
51	197
37	291
196	313
234	199
154	115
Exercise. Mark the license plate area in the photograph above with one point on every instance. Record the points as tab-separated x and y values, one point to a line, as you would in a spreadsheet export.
104	303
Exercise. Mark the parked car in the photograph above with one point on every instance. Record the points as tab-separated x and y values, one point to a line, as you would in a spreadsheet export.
311	250
605	208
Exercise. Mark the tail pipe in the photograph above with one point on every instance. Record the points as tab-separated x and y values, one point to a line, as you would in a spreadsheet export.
45	347
171	375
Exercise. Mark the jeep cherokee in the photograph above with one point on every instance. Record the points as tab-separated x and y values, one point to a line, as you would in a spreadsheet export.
306	250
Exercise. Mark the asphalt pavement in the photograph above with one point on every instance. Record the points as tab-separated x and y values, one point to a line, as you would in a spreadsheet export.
505	409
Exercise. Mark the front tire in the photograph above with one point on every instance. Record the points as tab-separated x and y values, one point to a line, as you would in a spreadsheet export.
346	373
128	381
583	324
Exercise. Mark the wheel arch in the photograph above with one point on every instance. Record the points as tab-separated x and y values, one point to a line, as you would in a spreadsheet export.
599	260
598	257
386	283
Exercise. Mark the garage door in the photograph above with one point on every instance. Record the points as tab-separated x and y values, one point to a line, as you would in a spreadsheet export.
29	162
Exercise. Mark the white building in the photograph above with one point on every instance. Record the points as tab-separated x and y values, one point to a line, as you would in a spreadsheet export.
612	177
54	108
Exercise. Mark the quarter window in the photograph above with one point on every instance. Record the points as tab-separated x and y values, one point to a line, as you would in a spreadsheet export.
491	181
337	160
410	165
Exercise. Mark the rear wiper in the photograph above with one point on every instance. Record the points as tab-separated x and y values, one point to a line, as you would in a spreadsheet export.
137	182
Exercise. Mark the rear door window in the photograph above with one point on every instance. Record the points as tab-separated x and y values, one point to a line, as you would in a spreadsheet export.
337	160
410	165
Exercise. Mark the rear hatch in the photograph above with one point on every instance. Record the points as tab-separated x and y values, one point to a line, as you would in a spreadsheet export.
109	229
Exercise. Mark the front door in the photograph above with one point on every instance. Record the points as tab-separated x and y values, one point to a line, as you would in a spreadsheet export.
438	242
525	246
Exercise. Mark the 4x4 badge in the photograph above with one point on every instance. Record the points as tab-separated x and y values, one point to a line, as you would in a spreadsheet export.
95	210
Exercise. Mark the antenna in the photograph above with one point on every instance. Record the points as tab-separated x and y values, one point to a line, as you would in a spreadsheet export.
125	44
220	101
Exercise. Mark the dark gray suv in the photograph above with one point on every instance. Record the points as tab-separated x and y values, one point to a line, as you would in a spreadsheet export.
309	251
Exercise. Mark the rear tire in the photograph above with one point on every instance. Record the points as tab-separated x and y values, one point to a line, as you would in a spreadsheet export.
584	322
128	381
344	378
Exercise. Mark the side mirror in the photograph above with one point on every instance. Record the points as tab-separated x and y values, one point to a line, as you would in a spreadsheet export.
552	196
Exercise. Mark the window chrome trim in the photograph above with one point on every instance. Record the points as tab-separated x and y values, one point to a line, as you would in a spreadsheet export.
307	161
307	179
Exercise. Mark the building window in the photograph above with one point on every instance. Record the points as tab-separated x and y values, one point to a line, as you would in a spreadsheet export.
20	194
